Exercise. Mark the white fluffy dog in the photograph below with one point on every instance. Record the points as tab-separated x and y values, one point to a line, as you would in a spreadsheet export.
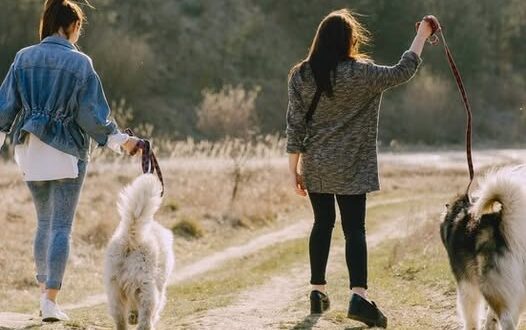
139	259
486	245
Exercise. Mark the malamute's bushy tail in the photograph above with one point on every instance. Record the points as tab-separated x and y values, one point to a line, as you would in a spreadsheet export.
506	186
138	203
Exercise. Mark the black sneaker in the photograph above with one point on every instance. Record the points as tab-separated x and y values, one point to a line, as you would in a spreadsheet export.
319	302
362	310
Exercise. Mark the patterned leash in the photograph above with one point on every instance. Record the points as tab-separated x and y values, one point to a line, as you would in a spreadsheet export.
434	40
149	161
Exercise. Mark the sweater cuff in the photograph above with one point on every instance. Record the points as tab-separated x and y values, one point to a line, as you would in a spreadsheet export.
293	148
115	141
413	57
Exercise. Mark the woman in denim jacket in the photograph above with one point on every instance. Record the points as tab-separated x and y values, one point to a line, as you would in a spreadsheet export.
53	104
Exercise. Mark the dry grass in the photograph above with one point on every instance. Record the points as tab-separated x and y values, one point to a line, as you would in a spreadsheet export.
198	194
199	200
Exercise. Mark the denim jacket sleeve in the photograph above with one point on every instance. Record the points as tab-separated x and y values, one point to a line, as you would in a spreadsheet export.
10	104
94	112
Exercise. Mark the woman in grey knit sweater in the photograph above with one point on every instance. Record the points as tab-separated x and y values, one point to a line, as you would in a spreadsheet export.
332	120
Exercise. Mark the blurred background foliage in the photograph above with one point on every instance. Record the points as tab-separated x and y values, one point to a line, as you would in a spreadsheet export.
169	59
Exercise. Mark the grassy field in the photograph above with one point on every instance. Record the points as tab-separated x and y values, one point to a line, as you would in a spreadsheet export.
266	288
199	206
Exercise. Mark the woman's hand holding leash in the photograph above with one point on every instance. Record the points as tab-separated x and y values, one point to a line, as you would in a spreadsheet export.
427	28
131	144
149	163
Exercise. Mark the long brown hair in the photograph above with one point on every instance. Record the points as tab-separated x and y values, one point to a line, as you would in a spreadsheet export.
59	14
339	38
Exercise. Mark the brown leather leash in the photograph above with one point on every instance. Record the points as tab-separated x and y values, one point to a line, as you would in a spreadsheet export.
434	39
149	163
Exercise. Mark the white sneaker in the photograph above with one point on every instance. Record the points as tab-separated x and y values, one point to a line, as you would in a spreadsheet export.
50	311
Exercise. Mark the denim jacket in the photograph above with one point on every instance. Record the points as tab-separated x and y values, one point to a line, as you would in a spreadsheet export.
53	92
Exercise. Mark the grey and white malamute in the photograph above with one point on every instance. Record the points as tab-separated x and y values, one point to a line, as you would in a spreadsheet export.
486	243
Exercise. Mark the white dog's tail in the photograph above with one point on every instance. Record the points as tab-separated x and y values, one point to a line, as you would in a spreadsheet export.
507	187
138	203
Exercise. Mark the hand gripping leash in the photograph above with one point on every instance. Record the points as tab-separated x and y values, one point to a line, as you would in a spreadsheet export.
149	161
434	39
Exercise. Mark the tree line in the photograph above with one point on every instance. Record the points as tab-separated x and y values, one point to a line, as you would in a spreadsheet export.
168	58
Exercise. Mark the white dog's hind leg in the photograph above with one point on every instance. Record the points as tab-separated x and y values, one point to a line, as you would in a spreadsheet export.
147	306
160	305
491	322
117	306
469	301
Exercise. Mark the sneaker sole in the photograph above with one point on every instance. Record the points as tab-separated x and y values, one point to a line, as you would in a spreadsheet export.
367	322
318	309
318	312
50	319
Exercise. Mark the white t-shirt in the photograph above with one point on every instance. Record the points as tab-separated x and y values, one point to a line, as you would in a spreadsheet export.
40	162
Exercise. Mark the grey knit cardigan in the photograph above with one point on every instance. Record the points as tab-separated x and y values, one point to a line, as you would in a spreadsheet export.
338	146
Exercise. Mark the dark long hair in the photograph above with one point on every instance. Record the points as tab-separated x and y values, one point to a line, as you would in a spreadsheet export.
59	14
339	38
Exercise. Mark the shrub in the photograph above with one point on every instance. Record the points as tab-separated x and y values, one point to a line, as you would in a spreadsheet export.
171	206
229	112
188	228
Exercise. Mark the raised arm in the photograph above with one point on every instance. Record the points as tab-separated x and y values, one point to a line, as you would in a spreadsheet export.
382	77
424	31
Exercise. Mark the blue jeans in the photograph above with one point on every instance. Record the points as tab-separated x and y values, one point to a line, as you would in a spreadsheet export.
55	202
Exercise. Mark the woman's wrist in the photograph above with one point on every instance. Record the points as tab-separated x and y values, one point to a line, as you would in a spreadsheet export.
421	35
115	141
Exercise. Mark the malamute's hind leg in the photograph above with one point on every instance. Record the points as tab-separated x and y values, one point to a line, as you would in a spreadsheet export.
506	306
508	320
469	301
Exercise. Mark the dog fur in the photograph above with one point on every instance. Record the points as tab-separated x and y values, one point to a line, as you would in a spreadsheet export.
486	243
139	258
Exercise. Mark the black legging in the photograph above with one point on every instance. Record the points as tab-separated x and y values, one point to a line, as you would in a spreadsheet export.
352	210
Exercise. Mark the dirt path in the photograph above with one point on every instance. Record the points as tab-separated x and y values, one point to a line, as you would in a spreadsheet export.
297	230
270	297
215	260
270	306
